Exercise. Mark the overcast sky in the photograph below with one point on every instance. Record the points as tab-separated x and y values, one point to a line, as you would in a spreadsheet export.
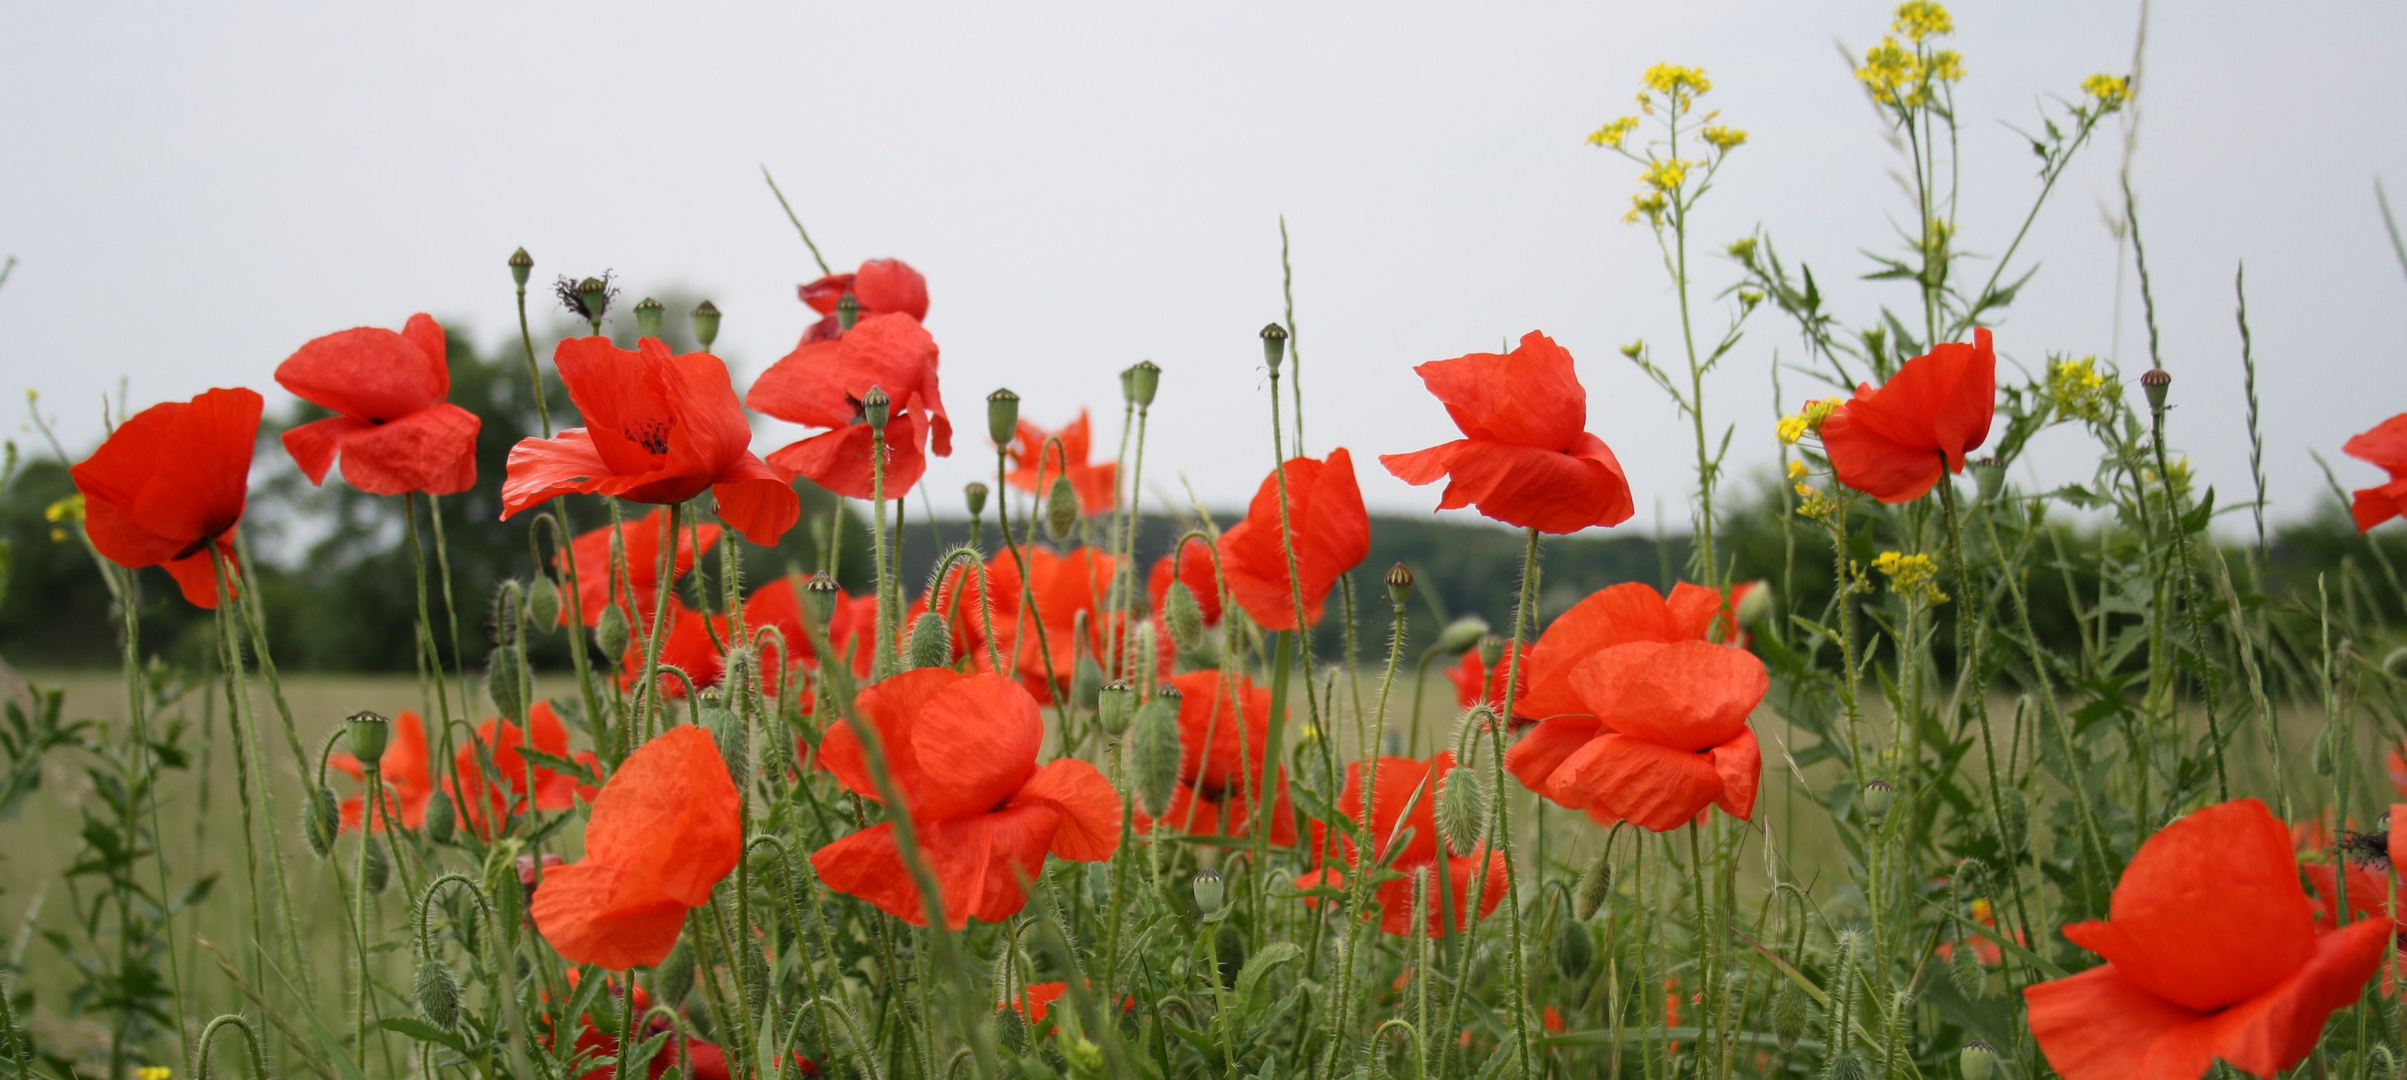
195	190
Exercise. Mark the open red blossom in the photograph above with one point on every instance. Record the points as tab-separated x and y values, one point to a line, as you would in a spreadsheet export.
1038	460
1895	441
1407	782
403	772
851	630
658	429
694	644
2385	446
1062	587
1613	615
1194	568
641	541
665	829
881	285
962	749
2211	953
822	384
500	739
1665	736
1332	535
394	430
1475	683
1525	457
1220	762
844	461
168	485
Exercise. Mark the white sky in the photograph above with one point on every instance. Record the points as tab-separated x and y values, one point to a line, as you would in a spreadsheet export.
195	190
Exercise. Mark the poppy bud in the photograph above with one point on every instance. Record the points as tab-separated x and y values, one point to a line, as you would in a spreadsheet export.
1399	584
440	818
1210	889
321	819
610	632
1156	750
2155	383
706	323
1086	683
931	642
973	494
1989	478
1850	1067
521	265
543	602
1011	1030
1184	618
1491	649
1788	1015
877	408
2016	815
1595	886
819	595
593	298
438	993
734	738
1002	417
674	978
378	871
1875	800
1274	346
1574	950
1141	381
505	683
1978	1061
1462	808
1965	970
367	733
1083	1056
848	312
1462	634
1061	510
647	317
1114	705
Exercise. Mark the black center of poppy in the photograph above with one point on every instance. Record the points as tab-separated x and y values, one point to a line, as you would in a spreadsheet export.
652	435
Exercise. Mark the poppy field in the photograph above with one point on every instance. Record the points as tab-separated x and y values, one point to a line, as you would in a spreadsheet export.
1922	762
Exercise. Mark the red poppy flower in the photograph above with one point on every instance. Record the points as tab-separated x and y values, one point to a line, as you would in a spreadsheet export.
1475	683
1408	781
501	739
851	630
822	384
1526	457
881	286
1614	615
1036	999
1894	442
2386	446
1194	568
1220	762
665	829
1553	1021
658	429
962	748
394	430
1983	949
1035	458
1062	587
2211	952
403	771
641	541
1332	535
695	645
1665	736
169	484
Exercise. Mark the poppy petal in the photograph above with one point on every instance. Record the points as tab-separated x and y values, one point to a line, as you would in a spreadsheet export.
1535	758
1739	763
756	501
1870	462
841	460
577	912
669	817
432	450
1546	490
370	373
1692	695
313	445
1530	396
541	468
1089	829
1648	784
196	575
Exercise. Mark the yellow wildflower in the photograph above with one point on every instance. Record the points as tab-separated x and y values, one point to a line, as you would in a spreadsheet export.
1894	74
1743	249
1677	81
1725	139
1816	504
1945	66
70	508
1920	19
1819	410
1634	349
1792	428
154	1072
1797	470
1803	490
1650	207
2078	391
1665	174
1611	135
1911	575
2109	91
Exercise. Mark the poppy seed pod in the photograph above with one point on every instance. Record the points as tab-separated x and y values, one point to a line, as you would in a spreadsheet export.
1461	635
1086	683
1989	478
321	818
1788	1015
1399	584
521	265
1210	890
973	495
820	595
931	641
876	408
610	632
1142	381
1274	346
1595	886
543	602
438	993
1114	705
1491	649
440	818
706	324
1875	800
848	311
1002	417
1061	510
1462	808
2155	383
1978	1060
378	869
367	733
505	683
647	317
1183	616
1156	750
1573	949
593	298
673	980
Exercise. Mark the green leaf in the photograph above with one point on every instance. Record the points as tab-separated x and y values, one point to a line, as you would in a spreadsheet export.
425	1032
1258	967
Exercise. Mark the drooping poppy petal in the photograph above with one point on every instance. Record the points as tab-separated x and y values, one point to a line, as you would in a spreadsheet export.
1088	829
1525	458
822	383
1614	615
2386	446
881	286
1665	735
955	744
1894	442
393	430
844	460
169	483
1331	533
664	831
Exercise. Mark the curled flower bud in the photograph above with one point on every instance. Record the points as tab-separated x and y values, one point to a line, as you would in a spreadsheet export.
1002	417
1183	616
1144	379
1061	510
1086	683
931	642
1115	704
441	819
973	495
1573	950
1462	806
378	871
321	819
1461	635
367	733
543	602
647	317
706	324
521	265
1789	1015
438	993
1274	346
1595	886
505	683
1156	750
610	632
1965	970
1210	890
1399	584
734	738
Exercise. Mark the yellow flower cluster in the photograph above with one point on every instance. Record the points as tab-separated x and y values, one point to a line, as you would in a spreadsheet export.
1899	76
1914	575
2109	91
1647	205
1920	19
2077	390
1611	135
154	1072
1665	174
1816	505
1797	471
70	508
1676	80
1724	139
1794	426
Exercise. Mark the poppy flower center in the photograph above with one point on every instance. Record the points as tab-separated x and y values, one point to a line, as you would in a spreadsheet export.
652	435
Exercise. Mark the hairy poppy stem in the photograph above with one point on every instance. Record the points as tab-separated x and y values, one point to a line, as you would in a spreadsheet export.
647	692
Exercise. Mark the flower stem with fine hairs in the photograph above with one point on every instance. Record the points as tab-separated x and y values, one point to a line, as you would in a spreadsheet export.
647	692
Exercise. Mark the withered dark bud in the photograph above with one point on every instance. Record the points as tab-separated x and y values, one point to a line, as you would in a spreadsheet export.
1274	346
706	324
1399	584
593	298
647	317
2156	382
1002	417
521	265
